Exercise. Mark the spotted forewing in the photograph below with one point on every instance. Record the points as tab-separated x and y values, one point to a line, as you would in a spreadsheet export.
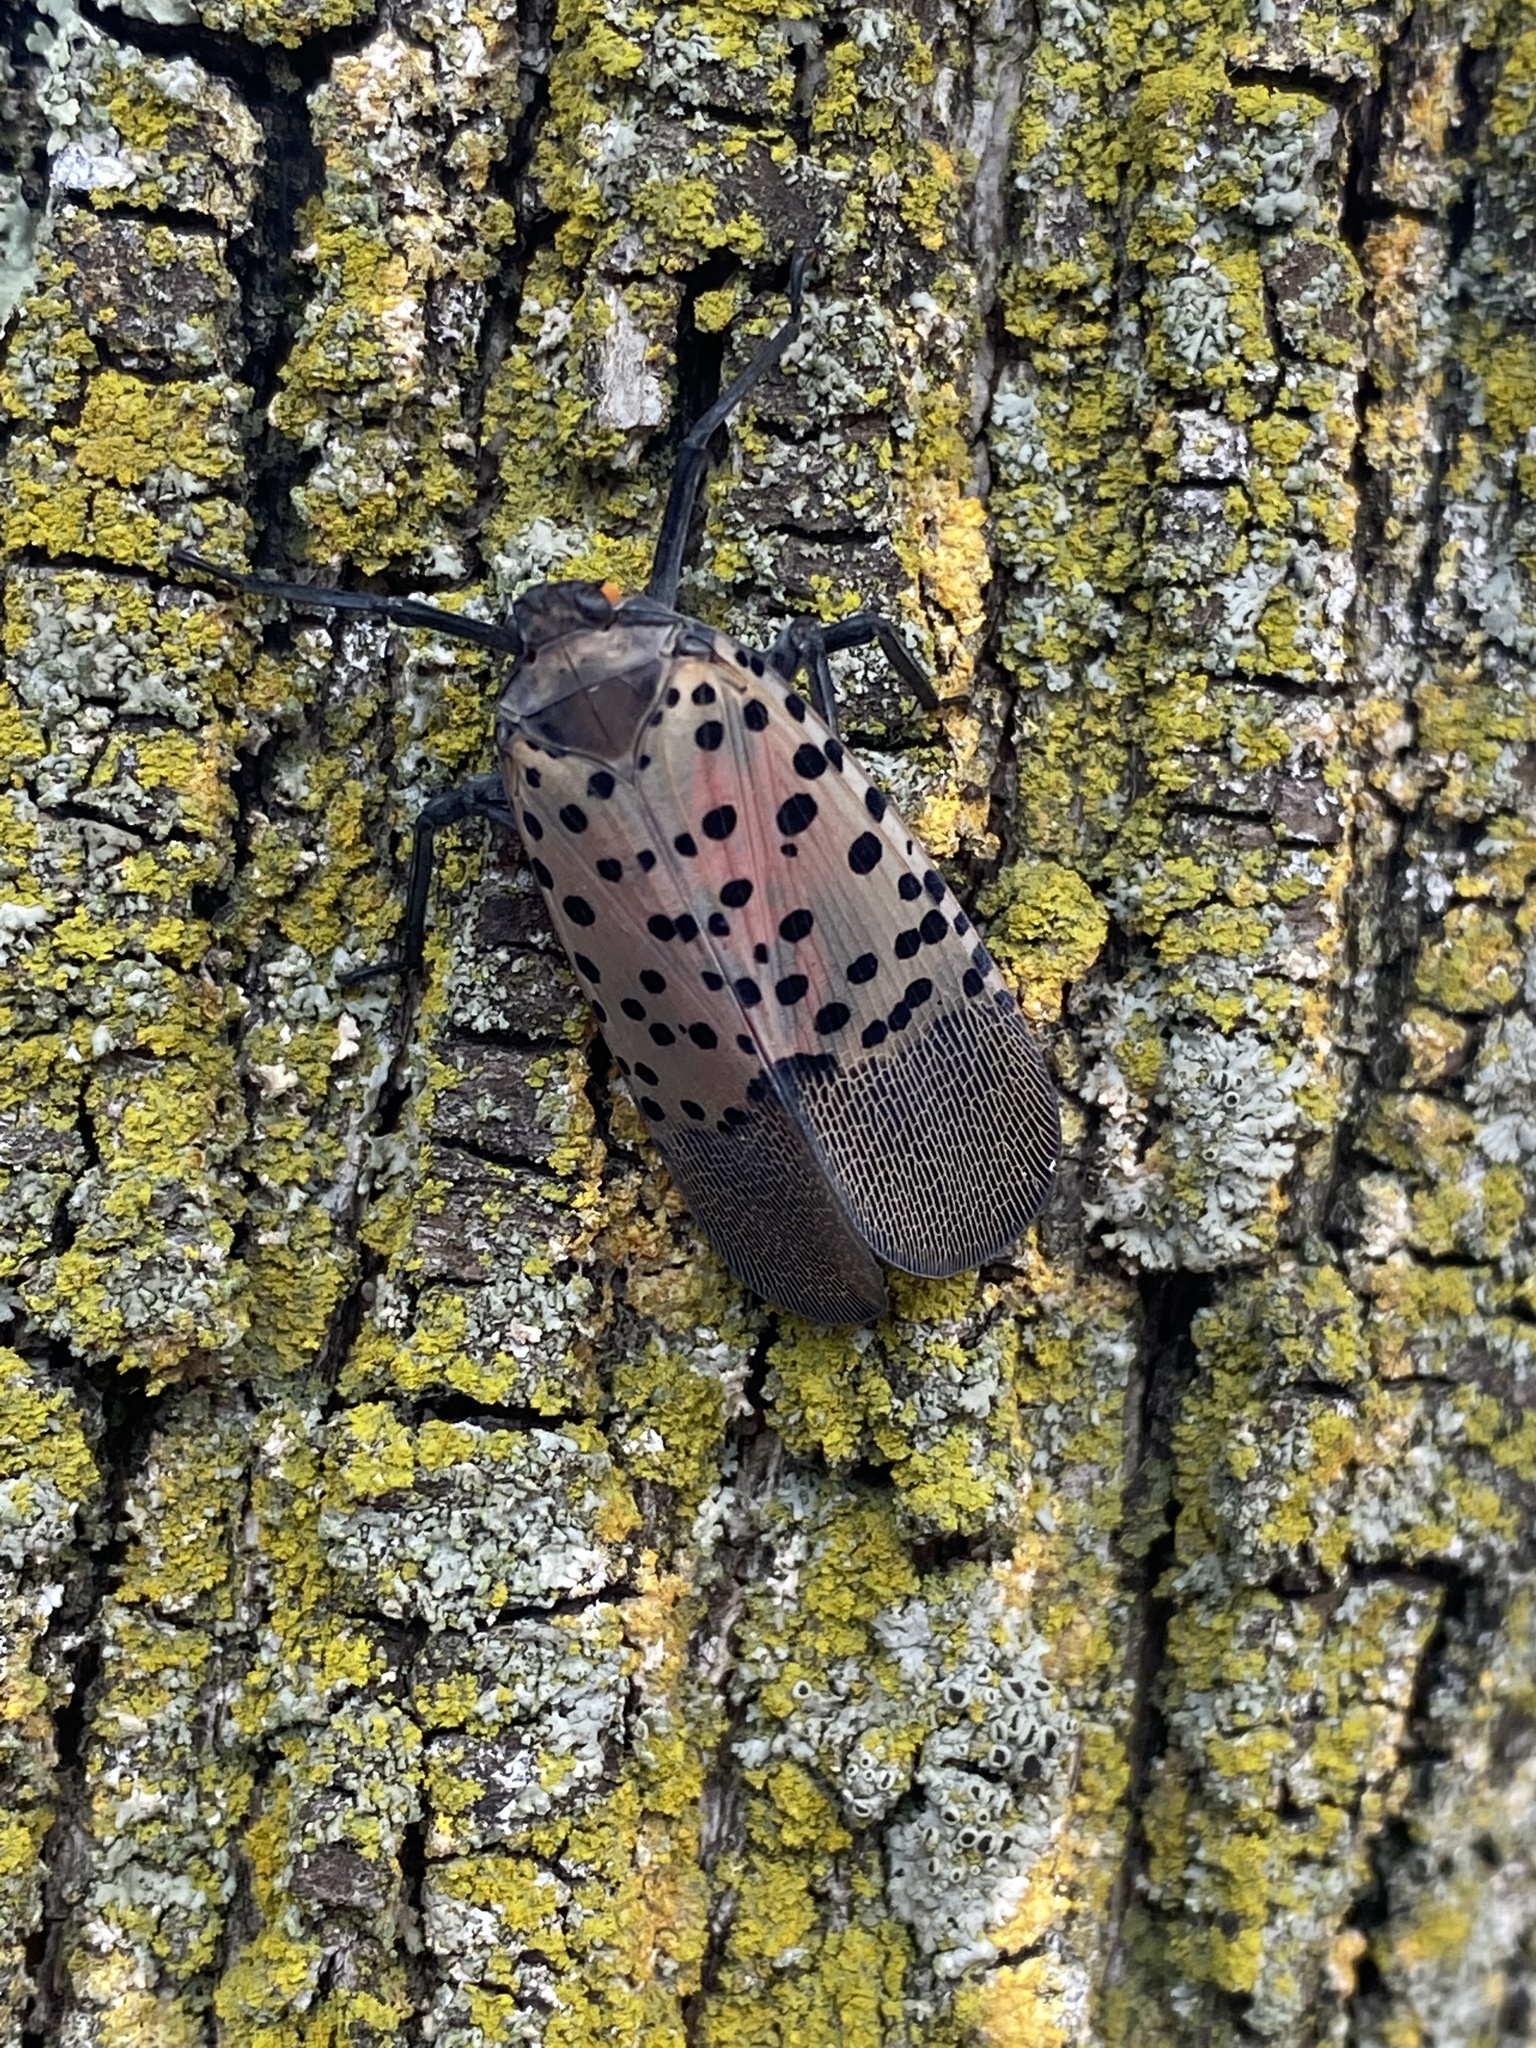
825	1054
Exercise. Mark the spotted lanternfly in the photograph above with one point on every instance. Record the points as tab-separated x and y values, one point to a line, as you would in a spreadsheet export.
826	1056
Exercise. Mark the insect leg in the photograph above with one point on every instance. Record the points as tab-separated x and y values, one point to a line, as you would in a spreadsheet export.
803	644
667	565
481	797
863	627
806	643
823	695
404	611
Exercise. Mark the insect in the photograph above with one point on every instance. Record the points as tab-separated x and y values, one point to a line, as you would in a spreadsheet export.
824	1052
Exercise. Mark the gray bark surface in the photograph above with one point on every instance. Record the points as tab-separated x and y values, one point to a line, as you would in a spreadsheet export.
438	1605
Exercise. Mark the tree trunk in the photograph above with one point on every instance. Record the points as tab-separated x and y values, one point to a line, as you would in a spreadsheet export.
440	1606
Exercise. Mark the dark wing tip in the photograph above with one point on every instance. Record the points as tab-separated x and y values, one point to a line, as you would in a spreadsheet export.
943	1152
757	1191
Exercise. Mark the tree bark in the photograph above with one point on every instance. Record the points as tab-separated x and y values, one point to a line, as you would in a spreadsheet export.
439	1605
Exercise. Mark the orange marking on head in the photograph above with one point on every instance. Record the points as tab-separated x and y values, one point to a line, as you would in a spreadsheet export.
613	592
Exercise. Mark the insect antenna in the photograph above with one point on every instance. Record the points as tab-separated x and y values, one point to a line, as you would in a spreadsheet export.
404	611
668	564
481	796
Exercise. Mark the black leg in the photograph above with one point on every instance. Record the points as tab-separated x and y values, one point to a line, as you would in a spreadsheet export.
404	611
667	565
481	797
823	691
807	643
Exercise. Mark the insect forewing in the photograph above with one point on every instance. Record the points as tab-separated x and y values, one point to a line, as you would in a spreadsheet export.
634	916
826	1055
880	1018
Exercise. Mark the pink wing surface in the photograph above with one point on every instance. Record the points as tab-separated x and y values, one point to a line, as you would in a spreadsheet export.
884	1024
826	1056
635	922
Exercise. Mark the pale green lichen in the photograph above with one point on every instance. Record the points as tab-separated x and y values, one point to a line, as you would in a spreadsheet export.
1172	526
1044	926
